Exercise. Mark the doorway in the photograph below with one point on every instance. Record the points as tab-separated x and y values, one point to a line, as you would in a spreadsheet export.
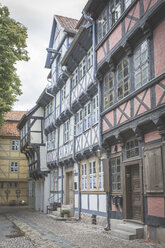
133	193
69	188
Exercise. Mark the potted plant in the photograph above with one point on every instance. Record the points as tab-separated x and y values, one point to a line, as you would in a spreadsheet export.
65	213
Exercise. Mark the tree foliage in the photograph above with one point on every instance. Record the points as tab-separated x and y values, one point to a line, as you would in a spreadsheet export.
13	45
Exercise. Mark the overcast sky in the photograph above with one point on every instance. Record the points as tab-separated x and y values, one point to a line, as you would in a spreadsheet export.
37	16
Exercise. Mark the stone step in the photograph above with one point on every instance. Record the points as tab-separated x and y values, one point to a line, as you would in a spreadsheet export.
123	234
67	207
133	228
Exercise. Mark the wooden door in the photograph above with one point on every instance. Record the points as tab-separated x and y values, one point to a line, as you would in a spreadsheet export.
133	193
69	188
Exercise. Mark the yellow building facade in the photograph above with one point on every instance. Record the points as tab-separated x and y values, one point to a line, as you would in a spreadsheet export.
13	163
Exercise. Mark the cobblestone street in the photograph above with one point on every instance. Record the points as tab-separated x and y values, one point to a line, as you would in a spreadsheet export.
44	232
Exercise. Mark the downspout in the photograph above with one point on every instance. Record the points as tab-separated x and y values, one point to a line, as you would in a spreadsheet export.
93	23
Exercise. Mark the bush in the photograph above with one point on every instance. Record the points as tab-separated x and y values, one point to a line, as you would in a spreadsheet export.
65	211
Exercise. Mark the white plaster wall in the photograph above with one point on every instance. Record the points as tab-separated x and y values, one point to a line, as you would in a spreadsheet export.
42	195
46	192
37	195
58	99
71	128
93	202
102	203
36	126
75	168
61	136
43	158
84	201
39	112
35	138
76	201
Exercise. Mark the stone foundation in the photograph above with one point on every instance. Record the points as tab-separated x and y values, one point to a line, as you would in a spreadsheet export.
87	218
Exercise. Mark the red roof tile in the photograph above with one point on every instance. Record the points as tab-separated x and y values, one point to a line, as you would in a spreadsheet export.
14	115
66	22
9	128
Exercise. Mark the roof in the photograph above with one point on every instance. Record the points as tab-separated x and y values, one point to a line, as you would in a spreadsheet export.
69	26
67	23
9	128
14	115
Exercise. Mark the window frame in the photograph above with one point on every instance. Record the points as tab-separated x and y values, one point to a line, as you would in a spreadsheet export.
124	79
13	166
84	176
95	102
132	149
15	147
143	65
92	175
115	174
66	131
87	116
100	175
109	91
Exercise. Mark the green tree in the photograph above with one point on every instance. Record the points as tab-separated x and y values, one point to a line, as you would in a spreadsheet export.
13	45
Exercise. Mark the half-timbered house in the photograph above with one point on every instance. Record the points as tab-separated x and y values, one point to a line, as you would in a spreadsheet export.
32	144
90	199
59	121
131	73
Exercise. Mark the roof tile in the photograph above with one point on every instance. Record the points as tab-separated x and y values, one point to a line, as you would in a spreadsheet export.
66	22
9	128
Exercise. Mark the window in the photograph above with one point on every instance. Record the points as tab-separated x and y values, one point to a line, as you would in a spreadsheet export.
101	175
108	89
75	79
79	122
141	65
54	180
82	68
15	145
84	176
63	93
14	166
92	174
102	25
90	58
87	116
114	11
51	141
132	148
115	174
95	109
123	78
66	131
127	3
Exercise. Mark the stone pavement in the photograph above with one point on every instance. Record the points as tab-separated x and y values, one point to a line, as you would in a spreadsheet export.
11	236
45	232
